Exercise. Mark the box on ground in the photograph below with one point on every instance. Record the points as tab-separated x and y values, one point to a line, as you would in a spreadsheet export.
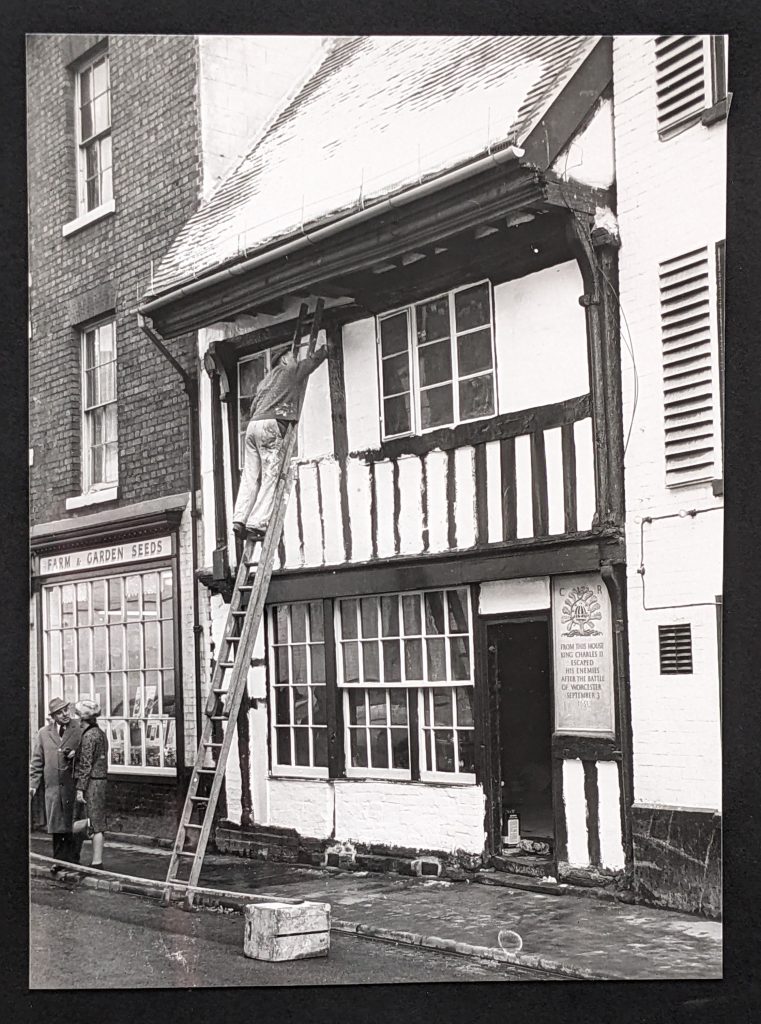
287	931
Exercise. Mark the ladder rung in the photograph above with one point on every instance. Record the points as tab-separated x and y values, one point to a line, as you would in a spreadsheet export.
200	799
219	718
225	664
186	853
209	743
192	824
242	612
207	771
246	586
219	689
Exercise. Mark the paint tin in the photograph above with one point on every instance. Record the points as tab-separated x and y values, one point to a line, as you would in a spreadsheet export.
511	830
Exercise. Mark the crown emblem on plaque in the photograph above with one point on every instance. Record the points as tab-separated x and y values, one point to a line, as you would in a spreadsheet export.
580	611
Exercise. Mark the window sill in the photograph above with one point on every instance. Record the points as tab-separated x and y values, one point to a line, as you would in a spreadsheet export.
104	210
92	498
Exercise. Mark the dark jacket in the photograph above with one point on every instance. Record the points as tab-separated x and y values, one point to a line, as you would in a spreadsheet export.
277	397
50	764
92	758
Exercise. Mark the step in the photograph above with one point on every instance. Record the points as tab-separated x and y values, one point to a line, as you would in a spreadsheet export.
522	863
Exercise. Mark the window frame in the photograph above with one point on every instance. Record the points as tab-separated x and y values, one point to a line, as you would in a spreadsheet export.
88	486
85	212
273	351
415	389
278	770
171	720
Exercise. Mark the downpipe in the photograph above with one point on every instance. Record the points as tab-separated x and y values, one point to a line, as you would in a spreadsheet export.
190	387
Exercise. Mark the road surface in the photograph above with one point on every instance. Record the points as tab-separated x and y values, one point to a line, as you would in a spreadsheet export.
85	938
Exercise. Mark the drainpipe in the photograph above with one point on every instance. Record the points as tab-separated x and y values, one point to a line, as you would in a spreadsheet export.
190	387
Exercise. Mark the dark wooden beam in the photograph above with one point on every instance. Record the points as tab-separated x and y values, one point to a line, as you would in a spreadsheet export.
572	107
489	195
260	338
583	553
337	387
505	255
510	424
575	195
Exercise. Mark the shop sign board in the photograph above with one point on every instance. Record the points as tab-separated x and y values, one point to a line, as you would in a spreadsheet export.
583	655
106	556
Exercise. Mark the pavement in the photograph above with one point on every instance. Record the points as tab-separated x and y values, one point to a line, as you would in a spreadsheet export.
87	938
560	934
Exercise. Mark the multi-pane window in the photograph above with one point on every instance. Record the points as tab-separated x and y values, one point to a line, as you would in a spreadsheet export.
94	134
297	671
448	730
251	372
112	639
392	644
437	362
100	462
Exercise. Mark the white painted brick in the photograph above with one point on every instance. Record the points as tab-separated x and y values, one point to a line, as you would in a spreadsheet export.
671	199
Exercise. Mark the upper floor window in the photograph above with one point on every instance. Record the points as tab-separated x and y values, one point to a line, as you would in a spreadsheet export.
100	461
436	361
93	98
251	372
691	82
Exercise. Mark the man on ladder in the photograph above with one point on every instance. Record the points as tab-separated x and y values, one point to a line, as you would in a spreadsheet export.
259	515
275	404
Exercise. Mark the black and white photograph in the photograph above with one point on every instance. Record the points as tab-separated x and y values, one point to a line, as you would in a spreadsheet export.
376	498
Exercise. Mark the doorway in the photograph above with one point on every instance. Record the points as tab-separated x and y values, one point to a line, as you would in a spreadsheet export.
521	682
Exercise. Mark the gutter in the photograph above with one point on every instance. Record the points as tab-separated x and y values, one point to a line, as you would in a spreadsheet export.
190	386
307	238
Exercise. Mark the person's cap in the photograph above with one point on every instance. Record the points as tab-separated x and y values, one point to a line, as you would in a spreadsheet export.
57	704
87	708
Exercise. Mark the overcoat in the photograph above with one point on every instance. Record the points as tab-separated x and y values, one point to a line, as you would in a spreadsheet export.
51	765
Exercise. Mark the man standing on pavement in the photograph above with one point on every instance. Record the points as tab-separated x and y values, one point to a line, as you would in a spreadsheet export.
52	759
274	406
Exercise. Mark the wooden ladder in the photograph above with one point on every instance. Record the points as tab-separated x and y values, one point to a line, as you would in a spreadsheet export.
230	675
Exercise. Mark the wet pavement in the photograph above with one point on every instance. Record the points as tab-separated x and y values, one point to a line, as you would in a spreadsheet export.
92	939
613	940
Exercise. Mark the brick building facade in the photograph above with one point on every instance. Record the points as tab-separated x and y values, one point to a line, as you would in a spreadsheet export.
126	135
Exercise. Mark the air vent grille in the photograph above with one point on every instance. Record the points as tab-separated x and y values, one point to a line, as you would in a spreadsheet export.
675	648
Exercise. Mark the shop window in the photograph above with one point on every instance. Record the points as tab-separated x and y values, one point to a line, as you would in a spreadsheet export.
298	675
112	639
93	121
100	456
251	372
691	82
436	362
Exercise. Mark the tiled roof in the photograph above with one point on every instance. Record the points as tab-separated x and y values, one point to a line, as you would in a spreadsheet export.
380	114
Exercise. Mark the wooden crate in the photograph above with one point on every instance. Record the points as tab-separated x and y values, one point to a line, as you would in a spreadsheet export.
285	931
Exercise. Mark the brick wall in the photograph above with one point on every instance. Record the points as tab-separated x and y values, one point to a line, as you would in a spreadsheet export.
671	199
106	265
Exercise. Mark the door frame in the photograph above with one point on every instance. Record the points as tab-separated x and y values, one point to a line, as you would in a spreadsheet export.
488	716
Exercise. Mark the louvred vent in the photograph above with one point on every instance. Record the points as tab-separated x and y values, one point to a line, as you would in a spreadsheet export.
688	401
680	80
675	645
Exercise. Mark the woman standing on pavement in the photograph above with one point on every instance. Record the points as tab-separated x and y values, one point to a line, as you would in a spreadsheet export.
90	771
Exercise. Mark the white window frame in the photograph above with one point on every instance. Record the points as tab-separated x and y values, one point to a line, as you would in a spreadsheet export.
86	214
424	685
88	487
108	721
456	778
293	770
414	372
399	774
268	354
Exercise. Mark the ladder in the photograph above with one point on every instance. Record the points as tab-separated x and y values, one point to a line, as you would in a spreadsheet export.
230	675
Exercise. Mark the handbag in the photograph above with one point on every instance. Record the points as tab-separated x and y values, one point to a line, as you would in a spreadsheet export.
82	825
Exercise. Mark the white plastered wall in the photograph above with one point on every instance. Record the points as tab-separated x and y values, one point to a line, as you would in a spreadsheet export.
671	200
